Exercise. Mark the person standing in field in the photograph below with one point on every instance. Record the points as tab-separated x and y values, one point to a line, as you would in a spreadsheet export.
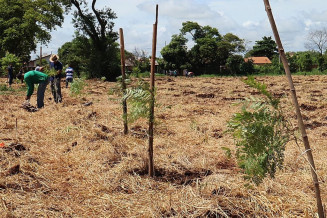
21	72
175	73
36	77
10	74
55	80
69	75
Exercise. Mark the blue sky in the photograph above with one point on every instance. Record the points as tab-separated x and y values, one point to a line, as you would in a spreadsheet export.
245	18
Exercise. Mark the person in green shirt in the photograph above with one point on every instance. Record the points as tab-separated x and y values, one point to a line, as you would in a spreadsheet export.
36	77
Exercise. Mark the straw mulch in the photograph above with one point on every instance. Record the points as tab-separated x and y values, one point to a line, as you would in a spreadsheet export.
72	159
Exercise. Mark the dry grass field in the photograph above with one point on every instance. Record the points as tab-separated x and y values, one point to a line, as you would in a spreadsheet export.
73	160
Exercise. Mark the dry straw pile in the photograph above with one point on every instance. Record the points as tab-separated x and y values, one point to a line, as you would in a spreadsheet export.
72	159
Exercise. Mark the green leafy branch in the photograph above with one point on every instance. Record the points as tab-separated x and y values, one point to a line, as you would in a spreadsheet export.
139	99
118	89
261	134
262	88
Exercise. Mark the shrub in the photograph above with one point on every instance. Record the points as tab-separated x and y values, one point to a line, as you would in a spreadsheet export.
136	71
261	134
268	69
77	87
49	72
10	59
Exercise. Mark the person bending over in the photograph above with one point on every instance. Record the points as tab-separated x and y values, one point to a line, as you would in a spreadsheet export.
36	77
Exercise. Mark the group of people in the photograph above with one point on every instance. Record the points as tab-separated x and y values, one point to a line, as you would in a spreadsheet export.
185	72
38	76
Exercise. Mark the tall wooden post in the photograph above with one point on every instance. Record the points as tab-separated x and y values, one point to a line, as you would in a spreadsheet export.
152	79
122	60
297	108
40	56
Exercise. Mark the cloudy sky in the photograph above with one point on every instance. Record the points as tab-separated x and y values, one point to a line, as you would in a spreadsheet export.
245	18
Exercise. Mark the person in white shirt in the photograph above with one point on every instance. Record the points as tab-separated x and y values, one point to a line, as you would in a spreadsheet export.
69	75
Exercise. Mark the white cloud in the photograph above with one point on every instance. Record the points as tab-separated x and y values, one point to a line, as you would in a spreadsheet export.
250	24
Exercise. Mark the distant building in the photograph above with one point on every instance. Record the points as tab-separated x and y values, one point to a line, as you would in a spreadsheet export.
32	63
258	60
291	53
129	65
156	66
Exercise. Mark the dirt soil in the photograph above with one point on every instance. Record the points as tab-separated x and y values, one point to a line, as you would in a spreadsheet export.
72	159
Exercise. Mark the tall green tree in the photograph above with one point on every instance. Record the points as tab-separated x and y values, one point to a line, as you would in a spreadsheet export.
266	47
24	23
228	46
304	60
198	32
203	56
211	49
175	53
98	26
76	53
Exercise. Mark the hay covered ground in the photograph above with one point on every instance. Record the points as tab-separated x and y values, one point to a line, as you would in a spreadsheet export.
73	160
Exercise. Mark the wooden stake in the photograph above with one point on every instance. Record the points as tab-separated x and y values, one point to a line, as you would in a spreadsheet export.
16	129
152	80
40	56
122	60
297	108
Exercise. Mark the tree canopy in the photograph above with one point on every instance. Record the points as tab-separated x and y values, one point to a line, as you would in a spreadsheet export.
175	53
266	47
25	23
210	50
76	53
97	25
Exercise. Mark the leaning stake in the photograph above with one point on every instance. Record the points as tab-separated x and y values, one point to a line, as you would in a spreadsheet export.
151	115
297	108
122	60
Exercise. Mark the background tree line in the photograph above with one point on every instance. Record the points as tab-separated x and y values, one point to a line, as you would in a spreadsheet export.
213	53
94	51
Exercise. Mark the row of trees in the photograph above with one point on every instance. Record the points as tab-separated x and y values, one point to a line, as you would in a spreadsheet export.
217	54
94	50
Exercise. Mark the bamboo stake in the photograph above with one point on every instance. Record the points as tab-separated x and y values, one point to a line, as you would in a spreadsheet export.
297	109
152	80
122	60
